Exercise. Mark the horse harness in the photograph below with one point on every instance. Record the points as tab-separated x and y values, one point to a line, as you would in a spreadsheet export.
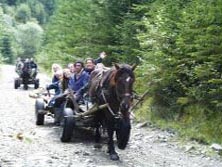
103	77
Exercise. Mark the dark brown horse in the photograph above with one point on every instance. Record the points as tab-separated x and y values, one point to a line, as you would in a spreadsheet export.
114	87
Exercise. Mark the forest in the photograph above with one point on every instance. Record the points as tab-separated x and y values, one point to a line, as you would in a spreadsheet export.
176	44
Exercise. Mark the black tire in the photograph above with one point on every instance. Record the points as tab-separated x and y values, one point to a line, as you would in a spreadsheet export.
19	82
36	84
16	83
123	133
68	125
39	111
25	86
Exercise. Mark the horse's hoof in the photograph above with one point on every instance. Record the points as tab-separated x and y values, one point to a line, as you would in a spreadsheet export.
114	157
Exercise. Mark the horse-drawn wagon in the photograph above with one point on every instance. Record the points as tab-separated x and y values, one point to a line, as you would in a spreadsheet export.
113	91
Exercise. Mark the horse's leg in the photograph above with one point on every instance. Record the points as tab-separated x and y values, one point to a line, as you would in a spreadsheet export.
98	135
111	148
97	132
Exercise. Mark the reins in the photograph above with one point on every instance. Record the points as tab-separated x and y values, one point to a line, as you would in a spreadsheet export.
103	85
108	106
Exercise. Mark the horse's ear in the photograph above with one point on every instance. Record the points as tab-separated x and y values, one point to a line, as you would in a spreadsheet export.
134	67
117	66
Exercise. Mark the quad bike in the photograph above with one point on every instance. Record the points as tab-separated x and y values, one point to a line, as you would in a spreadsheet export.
25	81
26	76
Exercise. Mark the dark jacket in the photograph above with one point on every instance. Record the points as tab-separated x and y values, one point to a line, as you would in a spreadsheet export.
76	84
56	86
54	79
96	61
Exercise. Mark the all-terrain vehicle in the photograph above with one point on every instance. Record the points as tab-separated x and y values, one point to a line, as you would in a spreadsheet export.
27	72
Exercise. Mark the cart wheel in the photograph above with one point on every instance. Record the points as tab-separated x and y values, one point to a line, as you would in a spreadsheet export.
68	125
39	111
16	83
36	84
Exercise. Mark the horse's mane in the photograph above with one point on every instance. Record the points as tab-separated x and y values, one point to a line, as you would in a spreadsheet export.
125	68
111	75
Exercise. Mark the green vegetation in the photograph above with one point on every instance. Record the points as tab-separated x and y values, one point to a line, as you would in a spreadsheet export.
177	45
183	40
21	29
193	125
84	28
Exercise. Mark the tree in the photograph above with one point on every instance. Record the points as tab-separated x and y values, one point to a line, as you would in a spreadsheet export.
38	11
200	46
11	2
84	30
1	32
182	39
1	22
23	13
29	37
90	27
6	50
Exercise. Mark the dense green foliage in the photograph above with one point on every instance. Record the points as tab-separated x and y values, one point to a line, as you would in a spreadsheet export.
2	30
182	39
21	32
6	49
83	28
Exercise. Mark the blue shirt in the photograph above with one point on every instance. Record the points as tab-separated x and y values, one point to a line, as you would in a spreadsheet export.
77	83
55	86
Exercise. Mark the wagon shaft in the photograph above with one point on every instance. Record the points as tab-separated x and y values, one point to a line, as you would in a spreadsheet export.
94	109
91	111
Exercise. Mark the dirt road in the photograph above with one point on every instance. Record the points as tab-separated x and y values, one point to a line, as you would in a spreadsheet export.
23	144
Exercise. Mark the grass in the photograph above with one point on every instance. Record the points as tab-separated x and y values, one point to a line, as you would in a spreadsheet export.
193	125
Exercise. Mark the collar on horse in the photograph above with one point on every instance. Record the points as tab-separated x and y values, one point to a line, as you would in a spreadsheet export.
107	79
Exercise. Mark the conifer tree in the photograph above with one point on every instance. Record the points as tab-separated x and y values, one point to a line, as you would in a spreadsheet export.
6	50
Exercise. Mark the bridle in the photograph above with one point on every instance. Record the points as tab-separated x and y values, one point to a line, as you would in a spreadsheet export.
119	96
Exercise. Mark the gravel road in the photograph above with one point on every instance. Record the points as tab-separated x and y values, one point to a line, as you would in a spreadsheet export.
23	144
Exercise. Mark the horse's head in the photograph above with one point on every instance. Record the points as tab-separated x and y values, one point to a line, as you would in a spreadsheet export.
124	80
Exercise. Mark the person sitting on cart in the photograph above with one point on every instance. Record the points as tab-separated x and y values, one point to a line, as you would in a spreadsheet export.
74	83
55	68
57	82
91	63
71	68
60	86
78	80
57	72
